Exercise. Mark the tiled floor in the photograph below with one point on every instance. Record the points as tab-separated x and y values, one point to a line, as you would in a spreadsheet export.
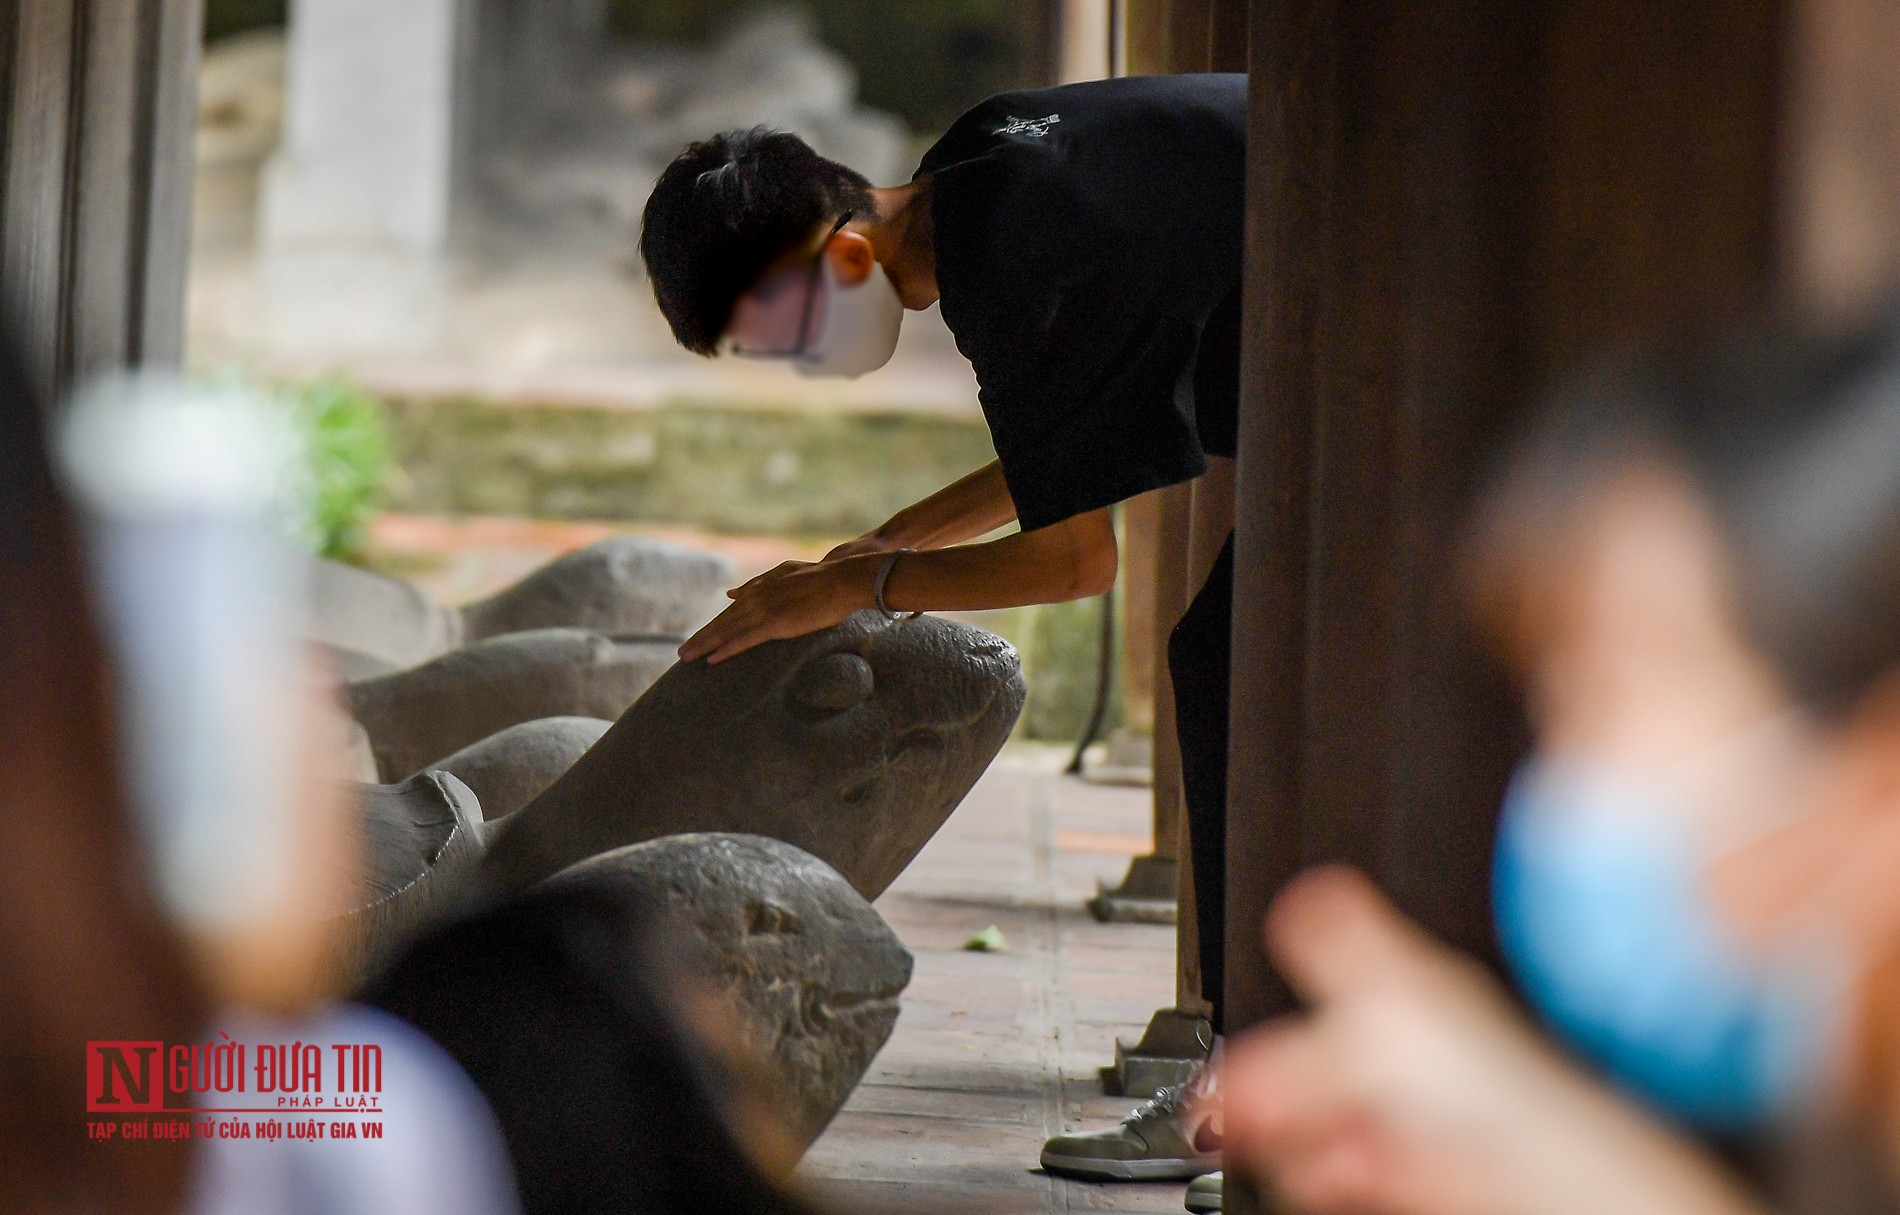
996	1051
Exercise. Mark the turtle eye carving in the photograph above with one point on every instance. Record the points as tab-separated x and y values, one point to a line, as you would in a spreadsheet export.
833	683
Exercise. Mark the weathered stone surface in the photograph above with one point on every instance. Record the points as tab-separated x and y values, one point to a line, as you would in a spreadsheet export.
854	744
418	716
812	969
623	584
347	743
421	839
363	615
360	757
346	664
510	769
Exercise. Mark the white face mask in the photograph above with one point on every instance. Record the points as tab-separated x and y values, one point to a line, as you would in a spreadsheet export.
860	329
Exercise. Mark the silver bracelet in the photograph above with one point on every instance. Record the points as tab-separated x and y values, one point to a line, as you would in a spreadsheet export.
883	576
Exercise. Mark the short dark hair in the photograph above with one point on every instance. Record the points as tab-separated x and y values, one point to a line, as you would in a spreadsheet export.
724	210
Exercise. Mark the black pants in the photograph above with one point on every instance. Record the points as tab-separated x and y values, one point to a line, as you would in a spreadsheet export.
1198	654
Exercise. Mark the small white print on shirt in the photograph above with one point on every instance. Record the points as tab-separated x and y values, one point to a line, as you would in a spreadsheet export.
1028	126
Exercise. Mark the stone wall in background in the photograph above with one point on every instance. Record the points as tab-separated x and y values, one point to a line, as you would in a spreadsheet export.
735	470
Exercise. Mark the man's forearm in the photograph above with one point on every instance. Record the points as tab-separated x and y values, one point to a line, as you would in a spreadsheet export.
1069	560
1066	560
960	511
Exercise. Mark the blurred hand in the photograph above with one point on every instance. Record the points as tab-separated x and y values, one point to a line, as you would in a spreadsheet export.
792	600
1414	1088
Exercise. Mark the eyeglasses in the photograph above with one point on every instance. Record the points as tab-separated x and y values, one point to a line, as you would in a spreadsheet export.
806	311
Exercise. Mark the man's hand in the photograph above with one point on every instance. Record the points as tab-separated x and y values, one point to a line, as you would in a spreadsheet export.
865	545
790	601
1067	560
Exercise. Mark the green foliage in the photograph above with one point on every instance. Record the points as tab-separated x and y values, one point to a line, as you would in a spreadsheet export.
990	940
1061	658
347	446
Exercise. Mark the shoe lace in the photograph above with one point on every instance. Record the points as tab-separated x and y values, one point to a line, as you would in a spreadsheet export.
1164	1104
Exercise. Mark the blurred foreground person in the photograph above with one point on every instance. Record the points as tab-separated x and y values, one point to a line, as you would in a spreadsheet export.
84	952
1694	564
230	751
179	882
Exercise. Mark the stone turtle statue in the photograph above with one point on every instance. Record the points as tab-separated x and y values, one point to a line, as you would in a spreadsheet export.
623	584
371	624
368	623
422	839
509	769
418	716
854	743
615	1079
813	971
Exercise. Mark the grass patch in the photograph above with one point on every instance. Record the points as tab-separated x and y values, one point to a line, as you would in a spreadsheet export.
347	449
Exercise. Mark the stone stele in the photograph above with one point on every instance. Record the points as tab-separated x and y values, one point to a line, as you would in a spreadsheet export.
854	743
812	969
510	769
418	716
622	585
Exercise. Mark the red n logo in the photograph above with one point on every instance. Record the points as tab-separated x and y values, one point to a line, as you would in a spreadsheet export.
123	1077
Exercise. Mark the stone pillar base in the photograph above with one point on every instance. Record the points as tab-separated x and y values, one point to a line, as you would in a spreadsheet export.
1145	896
1167	1053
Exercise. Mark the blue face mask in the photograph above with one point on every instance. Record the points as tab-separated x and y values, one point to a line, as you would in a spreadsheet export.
1598	893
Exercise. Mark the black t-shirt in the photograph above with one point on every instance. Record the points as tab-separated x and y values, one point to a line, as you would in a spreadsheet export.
1088	245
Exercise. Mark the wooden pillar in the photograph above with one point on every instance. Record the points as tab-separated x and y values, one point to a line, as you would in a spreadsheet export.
1174	514
1184	36
1083	39
97	106
1448	204
1210	521
1141	537
1840	221
1159	36
1160	882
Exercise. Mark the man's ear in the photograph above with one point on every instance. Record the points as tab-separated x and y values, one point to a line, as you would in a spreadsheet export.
851	257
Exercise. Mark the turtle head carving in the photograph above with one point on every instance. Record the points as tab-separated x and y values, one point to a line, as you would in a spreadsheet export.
853	743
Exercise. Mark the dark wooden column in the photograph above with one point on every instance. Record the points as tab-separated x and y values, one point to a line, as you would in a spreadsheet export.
1162	36
1448	204
97	106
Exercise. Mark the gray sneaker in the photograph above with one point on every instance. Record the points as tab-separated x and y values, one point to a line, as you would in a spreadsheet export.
1155	1142
1204	1194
